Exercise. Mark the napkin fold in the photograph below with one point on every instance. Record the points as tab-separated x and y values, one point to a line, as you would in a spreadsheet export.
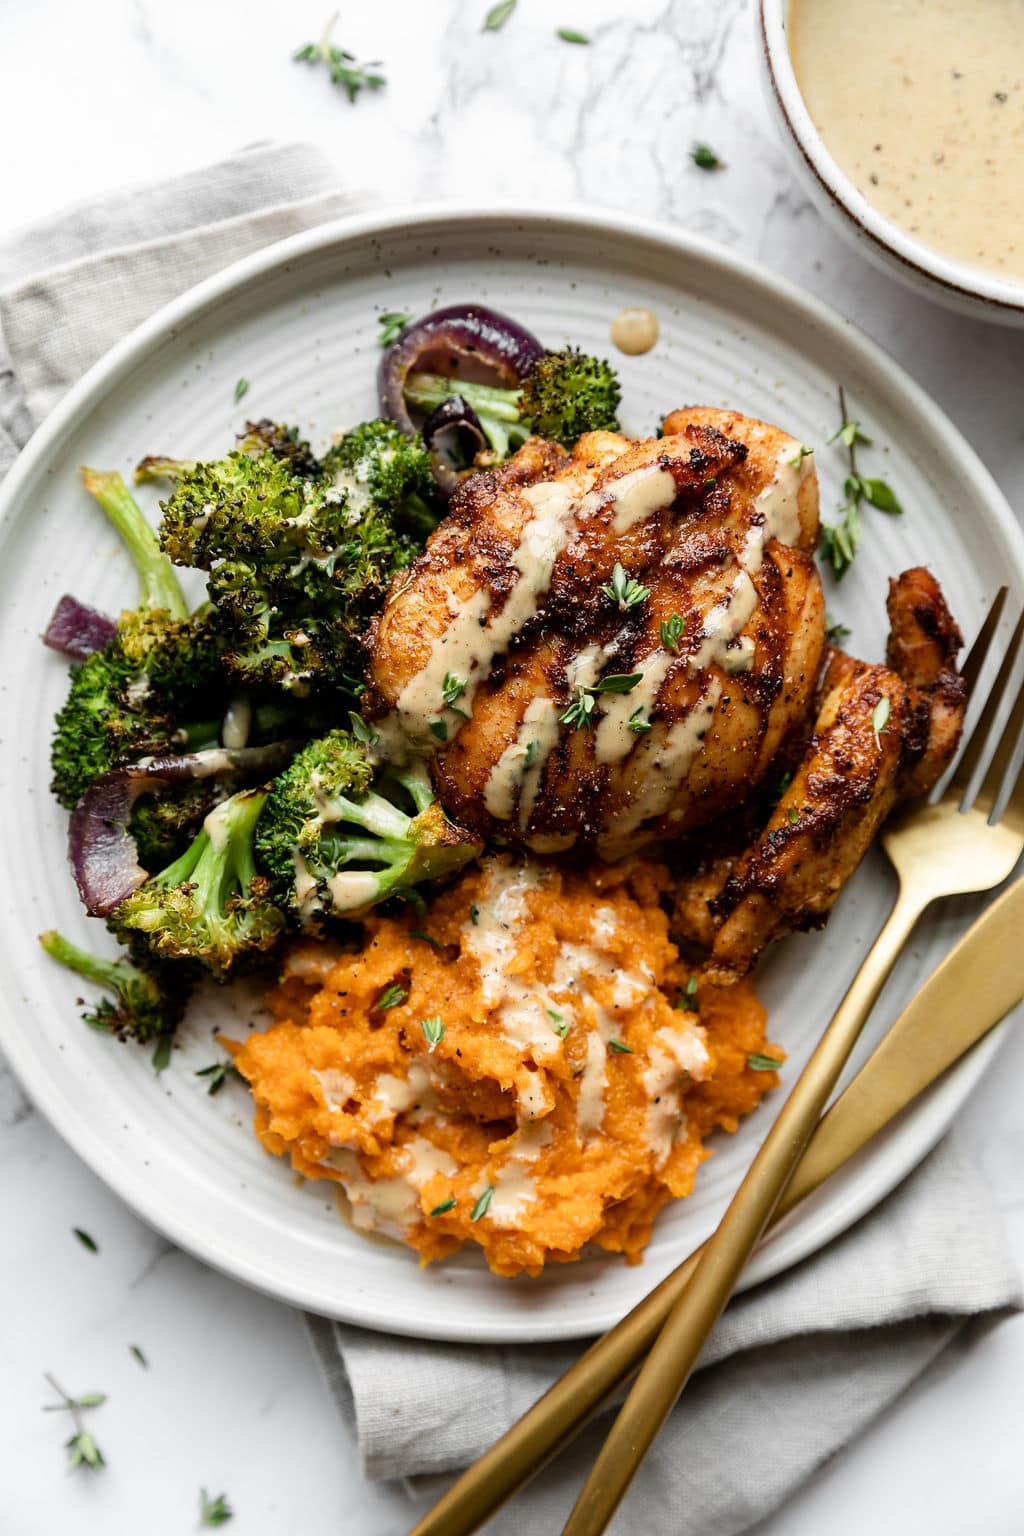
795	1368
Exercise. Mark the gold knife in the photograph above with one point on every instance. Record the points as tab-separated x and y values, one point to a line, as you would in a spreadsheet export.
976	985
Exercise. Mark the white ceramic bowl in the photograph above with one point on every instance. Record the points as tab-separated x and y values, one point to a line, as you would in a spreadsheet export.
966	289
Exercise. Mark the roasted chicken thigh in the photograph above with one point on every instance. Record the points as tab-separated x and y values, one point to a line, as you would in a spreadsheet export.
611	646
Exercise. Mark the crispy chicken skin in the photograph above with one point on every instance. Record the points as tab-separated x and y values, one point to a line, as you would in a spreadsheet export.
852	774
717	521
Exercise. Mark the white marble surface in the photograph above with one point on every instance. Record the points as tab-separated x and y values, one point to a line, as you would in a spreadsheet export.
96	95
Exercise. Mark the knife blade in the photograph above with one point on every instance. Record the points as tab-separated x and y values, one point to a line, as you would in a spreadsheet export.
974	987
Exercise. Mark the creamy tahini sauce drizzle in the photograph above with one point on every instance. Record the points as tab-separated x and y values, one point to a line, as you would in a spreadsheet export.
680	1055
922	104
635	329
476	634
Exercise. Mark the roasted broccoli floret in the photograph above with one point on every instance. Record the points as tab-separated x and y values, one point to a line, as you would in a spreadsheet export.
332	841
163	824
148	998
377	464
210	904
283	442
150	688
298	566
134	695
565	394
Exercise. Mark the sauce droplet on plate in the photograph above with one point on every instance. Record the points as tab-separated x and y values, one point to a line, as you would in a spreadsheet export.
635	330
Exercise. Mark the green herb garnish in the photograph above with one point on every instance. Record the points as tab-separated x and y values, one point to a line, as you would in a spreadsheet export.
880	716
688	999
139	1356
474	915
162	1055
705	158
835	634
218	1074
850	434
672	632
81	1448
391	997
636	722
452	689
569	36
531	753
482	1204
620	1047
361	731
214	1511
241	388
624	589
439	729
341	65
85	1240
446	1205
792	816
759	1063
617	682
417	933
839	541
498	15
391	326
803	453
579	713
433	1029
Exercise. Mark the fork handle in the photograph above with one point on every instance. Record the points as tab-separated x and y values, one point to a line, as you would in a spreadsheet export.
673	1356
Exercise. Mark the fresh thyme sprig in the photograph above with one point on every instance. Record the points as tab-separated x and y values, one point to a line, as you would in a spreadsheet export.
880	717
840	541
433	1030
341	64
391	997
624	589
581	711
452	689
761	1063
672	632
220	1072
214	1511
704	157
498	15
81	1448
391	326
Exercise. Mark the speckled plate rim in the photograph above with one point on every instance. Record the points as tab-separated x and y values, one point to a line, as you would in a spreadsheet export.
880	1167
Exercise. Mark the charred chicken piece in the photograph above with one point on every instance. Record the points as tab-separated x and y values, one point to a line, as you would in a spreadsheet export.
883	734
609	646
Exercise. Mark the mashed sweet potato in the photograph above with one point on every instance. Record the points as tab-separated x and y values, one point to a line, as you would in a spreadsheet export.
522	1068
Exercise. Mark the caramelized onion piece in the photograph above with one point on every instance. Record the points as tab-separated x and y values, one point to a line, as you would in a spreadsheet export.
76	630
102	852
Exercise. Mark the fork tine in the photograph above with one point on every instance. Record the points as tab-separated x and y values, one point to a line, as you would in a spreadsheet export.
988	794
976	747
978	653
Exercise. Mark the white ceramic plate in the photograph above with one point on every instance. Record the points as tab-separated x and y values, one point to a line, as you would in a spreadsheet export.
300	321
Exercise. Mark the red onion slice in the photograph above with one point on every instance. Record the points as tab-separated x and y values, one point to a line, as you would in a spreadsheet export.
460	341
76	630
102	853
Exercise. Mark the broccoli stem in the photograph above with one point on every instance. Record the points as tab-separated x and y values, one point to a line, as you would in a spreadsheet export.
375	814
220	857
416	783
156	467
497	409
158	583
106	973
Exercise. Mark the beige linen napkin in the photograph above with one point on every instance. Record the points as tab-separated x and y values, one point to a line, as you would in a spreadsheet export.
797	1367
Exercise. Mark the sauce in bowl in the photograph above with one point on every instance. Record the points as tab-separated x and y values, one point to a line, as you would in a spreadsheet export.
921	103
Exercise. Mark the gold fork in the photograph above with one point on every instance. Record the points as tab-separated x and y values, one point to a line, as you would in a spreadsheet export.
952	846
